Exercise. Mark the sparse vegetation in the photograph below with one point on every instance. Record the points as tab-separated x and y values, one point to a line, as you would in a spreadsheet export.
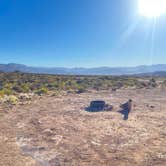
65	120
17	82
41	91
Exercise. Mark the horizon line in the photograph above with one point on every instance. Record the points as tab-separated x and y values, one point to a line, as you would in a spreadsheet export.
27	65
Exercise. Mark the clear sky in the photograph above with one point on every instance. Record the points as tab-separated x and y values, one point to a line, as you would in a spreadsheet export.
79	33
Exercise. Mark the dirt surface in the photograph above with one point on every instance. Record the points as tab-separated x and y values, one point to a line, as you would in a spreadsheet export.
54	131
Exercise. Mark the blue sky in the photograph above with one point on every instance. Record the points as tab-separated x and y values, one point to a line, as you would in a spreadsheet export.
79	33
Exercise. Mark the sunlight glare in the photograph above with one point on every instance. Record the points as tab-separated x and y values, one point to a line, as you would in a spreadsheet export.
152	8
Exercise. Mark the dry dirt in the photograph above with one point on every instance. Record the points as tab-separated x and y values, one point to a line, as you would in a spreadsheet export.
57	131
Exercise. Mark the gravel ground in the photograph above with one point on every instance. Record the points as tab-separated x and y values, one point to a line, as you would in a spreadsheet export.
57	131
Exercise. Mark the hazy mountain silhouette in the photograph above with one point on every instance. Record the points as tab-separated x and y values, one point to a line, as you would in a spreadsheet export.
159	69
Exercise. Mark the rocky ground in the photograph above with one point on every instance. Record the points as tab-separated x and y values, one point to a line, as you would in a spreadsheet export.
54	131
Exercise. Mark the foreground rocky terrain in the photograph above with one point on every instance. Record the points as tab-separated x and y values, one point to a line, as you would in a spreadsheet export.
54	131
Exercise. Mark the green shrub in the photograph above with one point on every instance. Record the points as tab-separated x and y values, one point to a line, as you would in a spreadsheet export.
81	90
16	82
41	91
5	92
12	99
25	88
1	93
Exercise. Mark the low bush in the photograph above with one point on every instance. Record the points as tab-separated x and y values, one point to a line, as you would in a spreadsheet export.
42	91
5	92
12	99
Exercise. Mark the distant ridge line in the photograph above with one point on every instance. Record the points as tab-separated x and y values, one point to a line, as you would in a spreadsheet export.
158	69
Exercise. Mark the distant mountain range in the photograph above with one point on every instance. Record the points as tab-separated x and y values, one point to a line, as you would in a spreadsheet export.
159	69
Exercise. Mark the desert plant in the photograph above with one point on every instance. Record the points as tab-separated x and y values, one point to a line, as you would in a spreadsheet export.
41	91
12	99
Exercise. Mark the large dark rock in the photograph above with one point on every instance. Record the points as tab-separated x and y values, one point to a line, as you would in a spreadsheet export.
97	105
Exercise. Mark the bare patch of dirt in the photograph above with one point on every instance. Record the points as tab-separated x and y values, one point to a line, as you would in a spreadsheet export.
57	131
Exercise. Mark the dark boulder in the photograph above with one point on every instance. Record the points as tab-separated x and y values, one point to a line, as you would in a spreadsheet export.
99	105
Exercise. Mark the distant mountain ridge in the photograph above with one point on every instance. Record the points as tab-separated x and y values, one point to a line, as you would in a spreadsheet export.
158	69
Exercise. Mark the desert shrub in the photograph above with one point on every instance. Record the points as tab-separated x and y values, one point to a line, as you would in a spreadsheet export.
25	88
12	99
56	93
130	83
81	90
163	83
41	91
8	86
152	83
1	93
17	82
5	92
17	88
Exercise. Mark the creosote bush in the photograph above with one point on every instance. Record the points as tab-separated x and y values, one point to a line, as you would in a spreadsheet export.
5	92
12	99
41	91
17	82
